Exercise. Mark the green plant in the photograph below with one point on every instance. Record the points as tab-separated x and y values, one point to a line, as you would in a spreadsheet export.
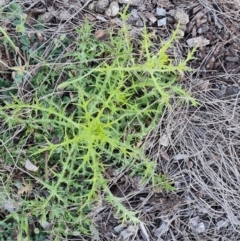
108	106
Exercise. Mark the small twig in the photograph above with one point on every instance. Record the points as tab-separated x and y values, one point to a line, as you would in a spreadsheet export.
46	165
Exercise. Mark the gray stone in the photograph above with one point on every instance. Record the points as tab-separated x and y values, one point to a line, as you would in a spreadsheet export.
180	33
181	16
198	41
183	27
113	9
92	6
162	22
134	13
101	6
232	90
172	12
139	23
203	29
196	225
160	12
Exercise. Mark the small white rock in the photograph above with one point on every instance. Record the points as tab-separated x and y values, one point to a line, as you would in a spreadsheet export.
30	166
162	22
101	6
172	12
160	11
196	225
200	228
180	33
134	13
164	141
181	16
113	9
198	41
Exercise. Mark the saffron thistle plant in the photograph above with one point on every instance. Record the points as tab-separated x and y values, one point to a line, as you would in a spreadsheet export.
111	100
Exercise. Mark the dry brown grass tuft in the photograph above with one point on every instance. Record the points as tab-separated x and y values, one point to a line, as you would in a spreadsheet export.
204	164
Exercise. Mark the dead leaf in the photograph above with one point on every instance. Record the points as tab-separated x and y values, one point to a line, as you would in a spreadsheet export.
62	15
3	65
101	34
26	188
164	155
90	17
198	42
30	166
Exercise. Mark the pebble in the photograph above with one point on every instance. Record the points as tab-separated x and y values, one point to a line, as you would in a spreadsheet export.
196	225
112	10
183	27
203	29
160	12
139	23
162	22
198	41
133	17
164	140
134	13
172	12
232	90
101	6
180	33
92	6
181	16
